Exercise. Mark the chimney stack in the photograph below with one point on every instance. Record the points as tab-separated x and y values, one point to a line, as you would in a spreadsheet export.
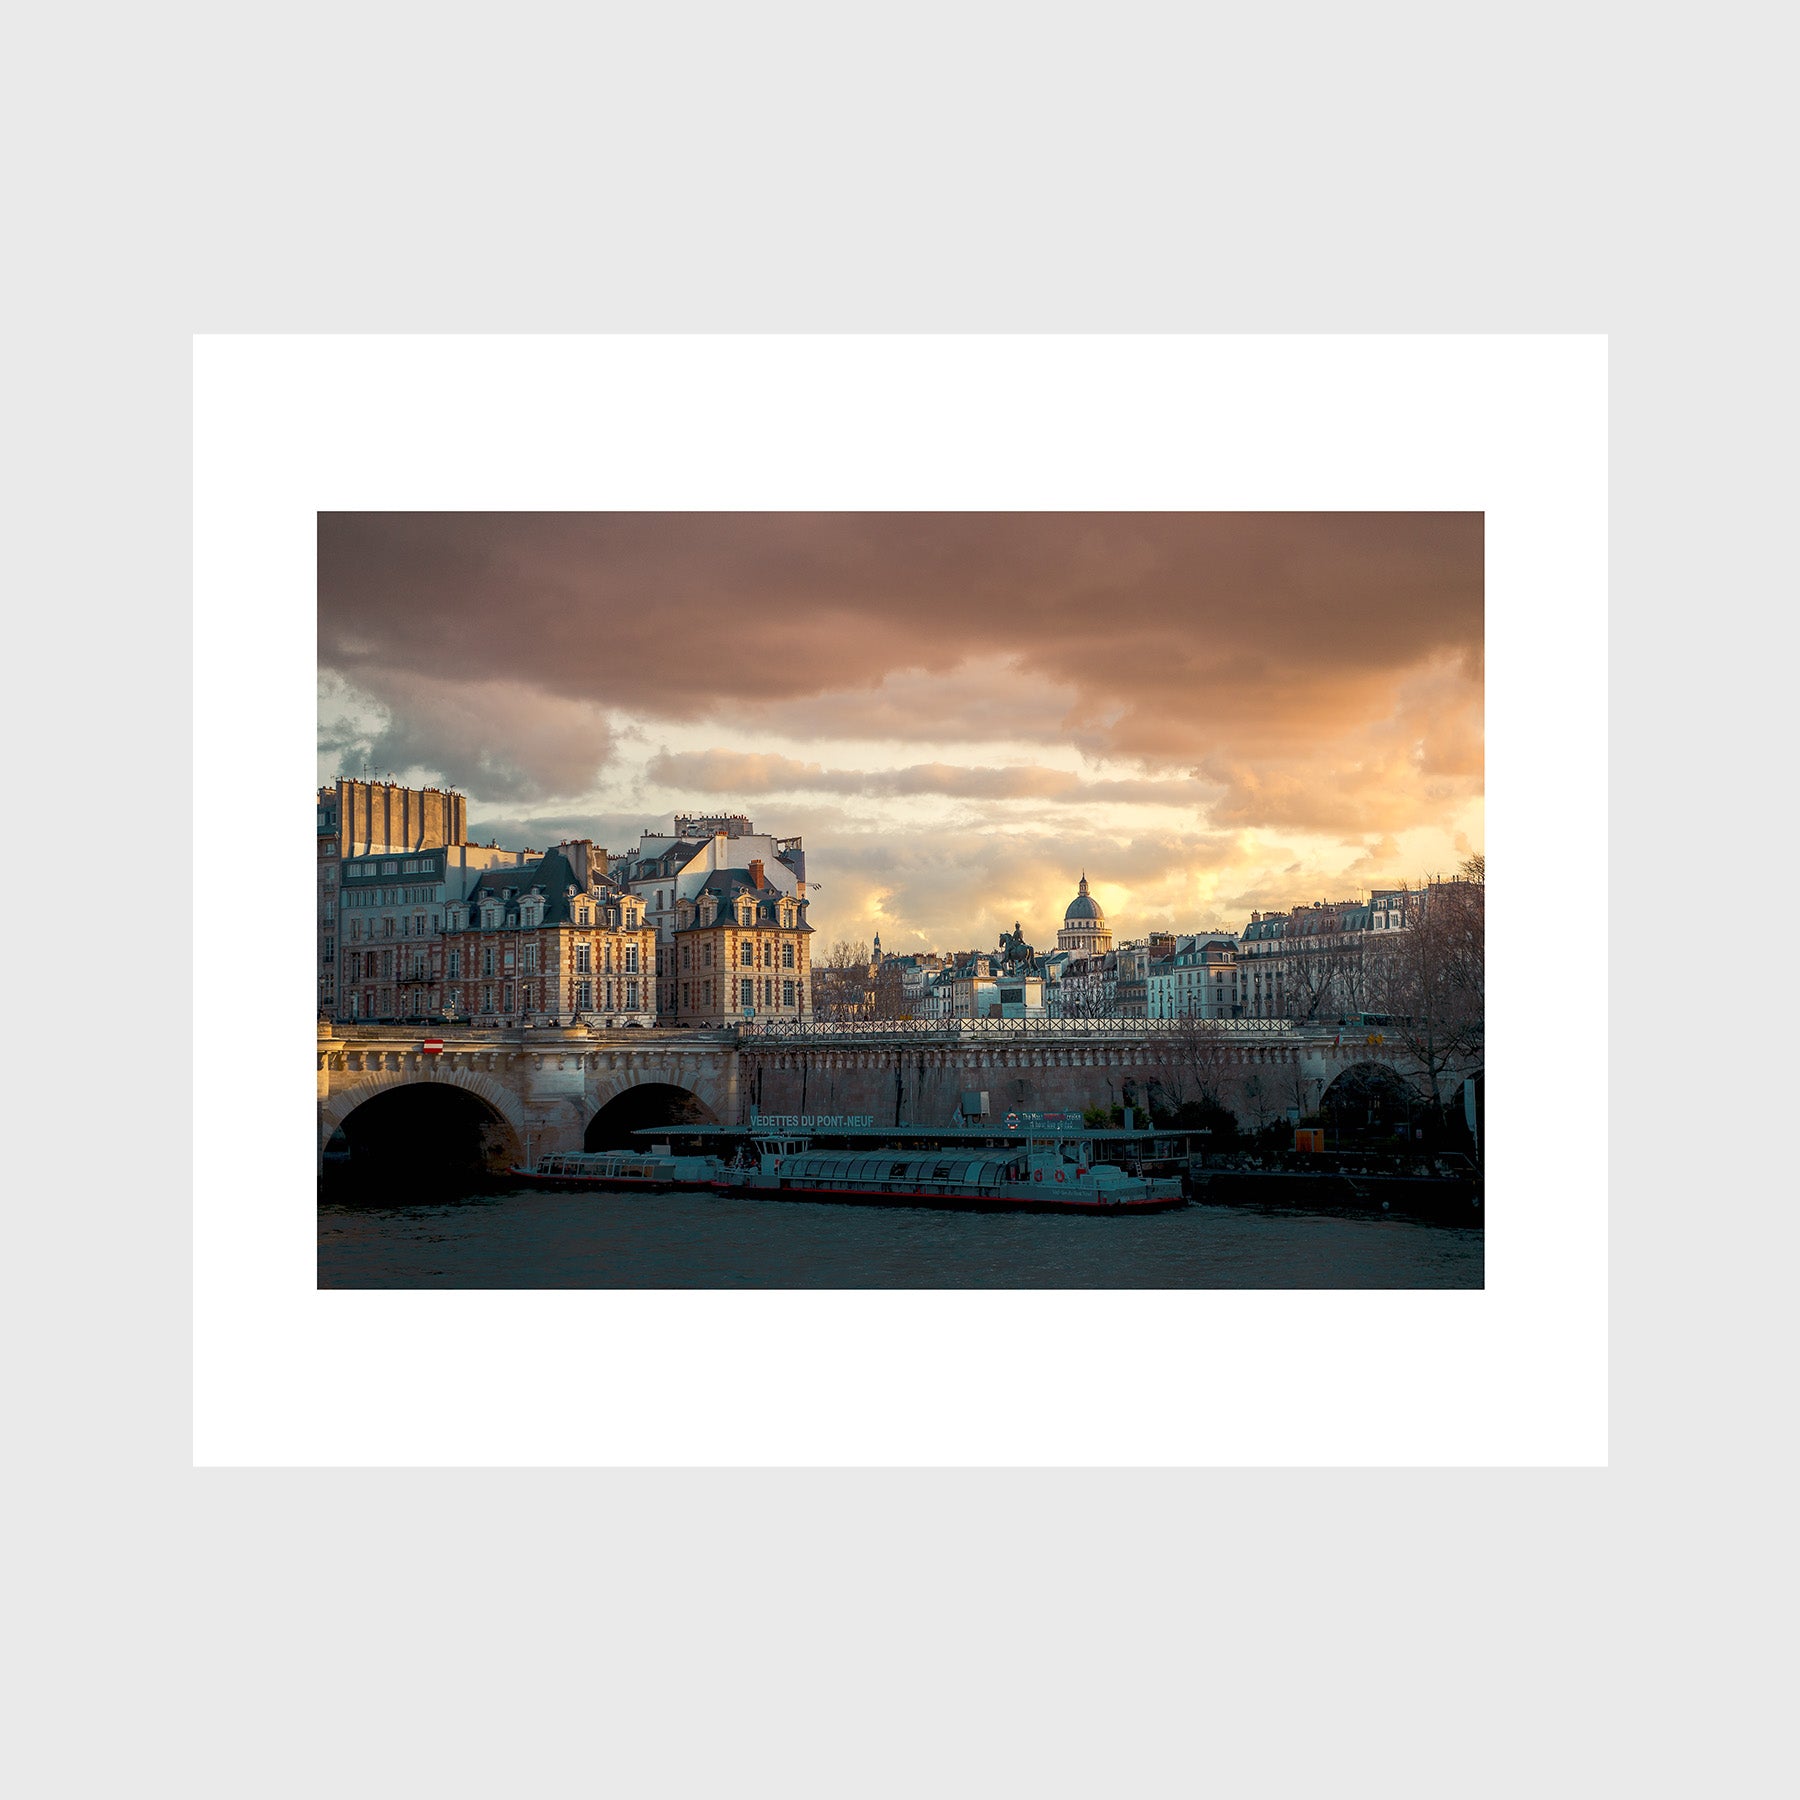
756	872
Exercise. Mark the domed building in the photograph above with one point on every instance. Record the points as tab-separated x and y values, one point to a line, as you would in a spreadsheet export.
1084	928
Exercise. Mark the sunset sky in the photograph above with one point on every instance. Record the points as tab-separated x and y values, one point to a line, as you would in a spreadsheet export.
1210	713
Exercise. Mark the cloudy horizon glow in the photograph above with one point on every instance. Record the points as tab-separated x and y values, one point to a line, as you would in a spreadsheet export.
1210	713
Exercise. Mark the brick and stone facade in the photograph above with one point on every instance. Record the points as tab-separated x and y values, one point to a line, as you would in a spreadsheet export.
668	868
554	940
740	948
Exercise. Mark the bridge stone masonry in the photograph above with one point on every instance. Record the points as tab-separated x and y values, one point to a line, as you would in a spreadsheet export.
547	1090
541	1089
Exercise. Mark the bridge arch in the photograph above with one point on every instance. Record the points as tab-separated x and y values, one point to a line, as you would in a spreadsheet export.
1370	1101
404	1112
638	1107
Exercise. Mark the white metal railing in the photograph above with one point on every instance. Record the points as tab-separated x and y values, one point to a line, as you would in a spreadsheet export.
956	1029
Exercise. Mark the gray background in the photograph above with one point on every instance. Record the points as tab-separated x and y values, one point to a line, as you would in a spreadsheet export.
830	1632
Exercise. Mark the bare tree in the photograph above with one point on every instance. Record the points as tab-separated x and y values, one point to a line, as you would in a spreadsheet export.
889	999
1256	1097
841	985
1359	975
1198	1065
1315	973
1196	1059
1432	977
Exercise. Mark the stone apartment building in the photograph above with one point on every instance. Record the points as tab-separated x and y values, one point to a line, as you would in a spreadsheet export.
1199	980
388	859
1312	961
391	909
555	940
669	867
739	949
396	876
1088	987
984	986
919	974
1133	964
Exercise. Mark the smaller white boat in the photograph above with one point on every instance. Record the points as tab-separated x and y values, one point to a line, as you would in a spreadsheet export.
656	1169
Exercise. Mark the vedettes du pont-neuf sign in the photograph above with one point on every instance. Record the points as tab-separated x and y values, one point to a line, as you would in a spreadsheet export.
810	1121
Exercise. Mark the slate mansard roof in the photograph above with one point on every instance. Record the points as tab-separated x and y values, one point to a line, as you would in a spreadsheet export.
554	876
726	886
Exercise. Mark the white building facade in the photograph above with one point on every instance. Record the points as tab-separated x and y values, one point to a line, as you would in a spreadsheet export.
1200	981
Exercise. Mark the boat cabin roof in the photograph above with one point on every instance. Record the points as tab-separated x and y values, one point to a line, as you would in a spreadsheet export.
936	1133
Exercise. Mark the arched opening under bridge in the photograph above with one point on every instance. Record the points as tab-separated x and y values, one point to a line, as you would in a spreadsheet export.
649	1104
1369	1105
426	1137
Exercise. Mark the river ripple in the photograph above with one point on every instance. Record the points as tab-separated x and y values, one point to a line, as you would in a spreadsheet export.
698	1239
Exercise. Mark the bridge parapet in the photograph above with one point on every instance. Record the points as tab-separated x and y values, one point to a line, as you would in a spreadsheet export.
972	1031
479	1037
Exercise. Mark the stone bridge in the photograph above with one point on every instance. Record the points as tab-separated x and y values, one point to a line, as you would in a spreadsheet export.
540	1090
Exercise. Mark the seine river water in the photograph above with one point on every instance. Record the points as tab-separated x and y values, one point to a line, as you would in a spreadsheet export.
697	1239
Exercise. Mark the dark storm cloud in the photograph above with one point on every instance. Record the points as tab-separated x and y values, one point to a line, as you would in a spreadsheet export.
500	739
1167	639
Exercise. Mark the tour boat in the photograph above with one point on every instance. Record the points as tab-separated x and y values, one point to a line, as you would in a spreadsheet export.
656	1170
1041	1175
